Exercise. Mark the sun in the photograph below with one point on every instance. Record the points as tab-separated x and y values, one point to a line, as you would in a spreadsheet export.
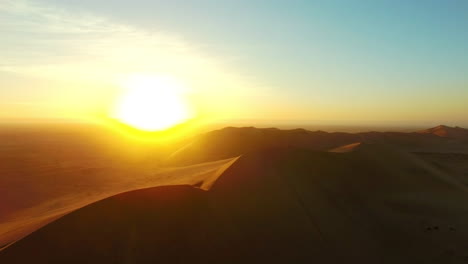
152	103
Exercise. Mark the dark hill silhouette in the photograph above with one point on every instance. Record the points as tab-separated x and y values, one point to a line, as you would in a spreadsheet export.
230	142
376	204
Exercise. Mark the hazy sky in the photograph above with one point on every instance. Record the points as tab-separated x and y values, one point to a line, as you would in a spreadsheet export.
352	62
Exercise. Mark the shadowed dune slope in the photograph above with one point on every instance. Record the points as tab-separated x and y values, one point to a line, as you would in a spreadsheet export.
287	205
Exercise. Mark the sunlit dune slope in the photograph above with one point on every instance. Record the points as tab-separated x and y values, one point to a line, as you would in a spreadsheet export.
285	205
74	190
346	148
447	132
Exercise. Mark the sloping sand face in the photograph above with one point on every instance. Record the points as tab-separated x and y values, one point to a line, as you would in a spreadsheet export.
19	222
374	205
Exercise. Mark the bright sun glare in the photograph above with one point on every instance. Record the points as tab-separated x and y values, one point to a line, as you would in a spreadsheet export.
152	103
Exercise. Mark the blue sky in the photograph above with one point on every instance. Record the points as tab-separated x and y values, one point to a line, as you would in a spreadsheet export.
344	61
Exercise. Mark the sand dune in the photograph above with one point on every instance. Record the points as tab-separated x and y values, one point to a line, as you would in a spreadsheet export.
374	205
447	132
230	142
18	222
293	196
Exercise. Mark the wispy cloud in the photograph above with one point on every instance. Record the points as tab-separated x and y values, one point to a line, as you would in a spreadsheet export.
54	44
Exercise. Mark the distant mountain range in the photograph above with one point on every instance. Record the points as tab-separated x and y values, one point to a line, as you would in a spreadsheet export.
232	141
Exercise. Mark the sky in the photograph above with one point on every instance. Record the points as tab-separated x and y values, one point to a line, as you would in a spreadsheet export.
331	62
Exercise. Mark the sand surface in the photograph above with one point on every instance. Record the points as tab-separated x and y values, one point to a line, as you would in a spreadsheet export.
47	174
291	197
374	205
